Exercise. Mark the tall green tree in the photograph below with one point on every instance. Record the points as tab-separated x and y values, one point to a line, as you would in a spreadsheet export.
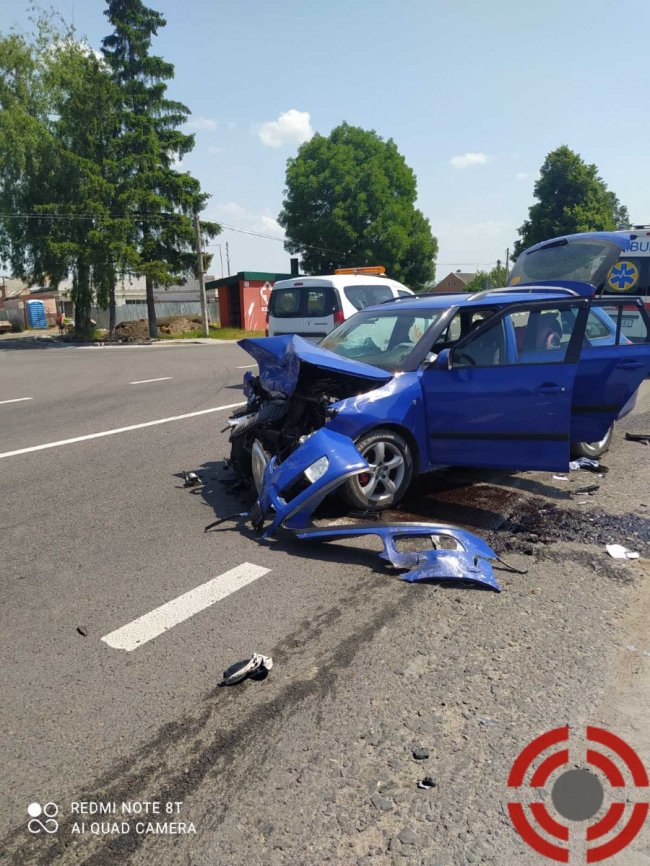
571	197
57	106
350	200
159	199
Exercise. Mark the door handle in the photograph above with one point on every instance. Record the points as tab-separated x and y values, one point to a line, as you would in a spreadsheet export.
629	365
550	388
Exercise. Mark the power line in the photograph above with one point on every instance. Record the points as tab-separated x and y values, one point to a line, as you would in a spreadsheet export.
157	216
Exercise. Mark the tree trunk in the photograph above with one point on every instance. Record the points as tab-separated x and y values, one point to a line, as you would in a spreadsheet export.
151	309
82	299
112	315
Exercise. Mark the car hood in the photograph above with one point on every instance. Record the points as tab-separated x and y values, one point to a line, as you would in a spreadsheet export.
280	359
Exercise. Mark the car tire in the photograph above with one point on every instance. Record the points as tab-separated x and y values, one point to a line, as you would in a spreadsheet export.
391	461
592	449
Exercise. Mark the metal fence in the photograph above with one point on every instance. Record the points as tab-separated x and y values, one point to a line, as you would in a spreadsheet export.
133	312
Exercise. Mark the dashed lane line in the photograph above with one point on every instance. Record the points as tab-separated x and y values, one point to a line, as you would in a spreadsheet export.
145	381
16	400
117	430
145	628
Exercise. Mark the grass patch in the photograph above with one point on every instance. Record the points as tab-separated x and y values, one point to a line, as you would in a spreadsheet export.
216	333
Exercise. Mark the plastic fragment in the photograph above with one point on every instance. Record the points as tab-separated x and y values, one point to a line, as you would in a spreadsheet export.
257	668
617	551
427	783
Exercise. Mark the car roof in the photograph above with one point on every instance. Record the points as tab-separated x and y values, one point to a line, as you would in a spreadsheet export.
339	281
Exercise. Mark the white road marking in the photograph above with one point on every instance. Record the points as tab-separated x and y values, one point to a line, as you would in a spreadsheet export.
15	400
246	366
144	381
161	619
116	430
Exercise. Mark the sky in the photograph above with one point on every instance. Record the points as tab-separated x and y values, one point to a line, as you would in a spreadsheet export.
474	94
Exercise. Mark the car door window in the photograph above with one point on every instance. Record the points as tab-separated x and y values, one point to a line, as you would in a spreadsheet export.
529	335
628	323
485	350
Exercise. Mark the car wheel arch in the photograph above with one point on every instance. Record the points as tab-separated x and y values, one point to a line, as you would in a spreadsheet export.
404	432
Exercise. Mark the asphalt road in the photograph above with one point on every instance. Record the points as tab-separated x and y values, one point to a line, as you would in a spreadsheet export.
314	764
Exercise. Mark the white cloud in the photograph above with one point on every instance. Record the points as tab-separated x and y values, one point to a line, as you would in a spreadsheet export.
215	151
291	127
521	175
467	160
202	123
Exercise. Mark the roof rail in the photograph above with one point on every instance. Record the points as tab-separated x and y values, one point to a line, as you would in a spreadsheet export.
522	291
417	295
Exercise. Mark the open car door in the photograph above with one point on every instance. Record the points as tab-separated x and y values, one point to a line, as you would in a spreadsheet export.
502	396
610	370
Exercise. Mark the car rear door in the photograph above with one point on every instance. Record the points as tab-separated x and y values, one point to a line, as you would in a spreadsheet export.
320	304
286	311
502	396
611	370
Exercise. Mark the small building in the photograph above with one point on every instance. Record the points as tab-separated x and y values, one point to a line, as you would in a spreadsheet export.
16	304
243	298
454	282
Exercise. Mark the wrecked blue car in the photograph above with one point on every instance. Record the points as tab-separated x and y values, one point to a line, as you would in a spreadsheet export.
517	378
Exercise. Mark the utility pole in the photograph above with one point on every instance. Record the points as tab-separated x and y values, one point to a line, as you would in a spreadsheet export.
199	259
507	260
228	258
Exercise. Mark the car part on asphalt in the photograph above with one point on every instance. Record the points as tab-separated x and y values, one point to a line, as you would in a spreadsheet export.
638	437
586	463
256	668
427	783
617	551
460	556
191	479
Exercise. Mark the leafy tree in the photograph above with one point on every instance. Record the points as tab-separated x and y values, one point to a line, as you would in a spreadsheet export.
350	200
159	199
571	198
56	102
494	279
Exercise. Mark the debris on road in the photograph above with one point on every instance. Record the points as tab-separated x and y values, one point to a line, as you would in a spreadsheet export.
560	477
589	490
420	753
452	554
82	630
256	668
427	783
191	479
585	463
644	438
617	551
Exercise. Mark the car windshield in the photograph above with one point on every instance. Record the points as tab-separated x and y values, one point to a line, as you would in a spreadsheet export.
587	260
383	339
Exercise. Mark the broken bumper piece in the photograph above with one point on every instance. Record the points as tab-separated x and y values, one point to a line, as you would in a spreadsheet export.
292	490
457	554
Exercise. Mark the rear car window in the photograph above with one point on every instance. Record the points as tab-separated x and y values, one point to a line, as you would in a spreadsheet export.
320	302
367	296
285	303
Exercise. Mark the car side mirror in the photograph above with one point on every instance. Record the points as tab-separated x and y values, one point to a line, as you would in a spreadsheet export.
443	361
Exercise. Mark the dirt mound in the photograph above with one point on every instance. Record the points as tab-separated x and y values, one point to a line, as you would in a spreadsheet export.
132	332
179	324
138	331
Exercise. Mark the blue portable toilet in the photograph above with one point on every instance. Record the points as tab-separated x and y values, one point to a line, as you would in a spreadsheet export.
36	317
